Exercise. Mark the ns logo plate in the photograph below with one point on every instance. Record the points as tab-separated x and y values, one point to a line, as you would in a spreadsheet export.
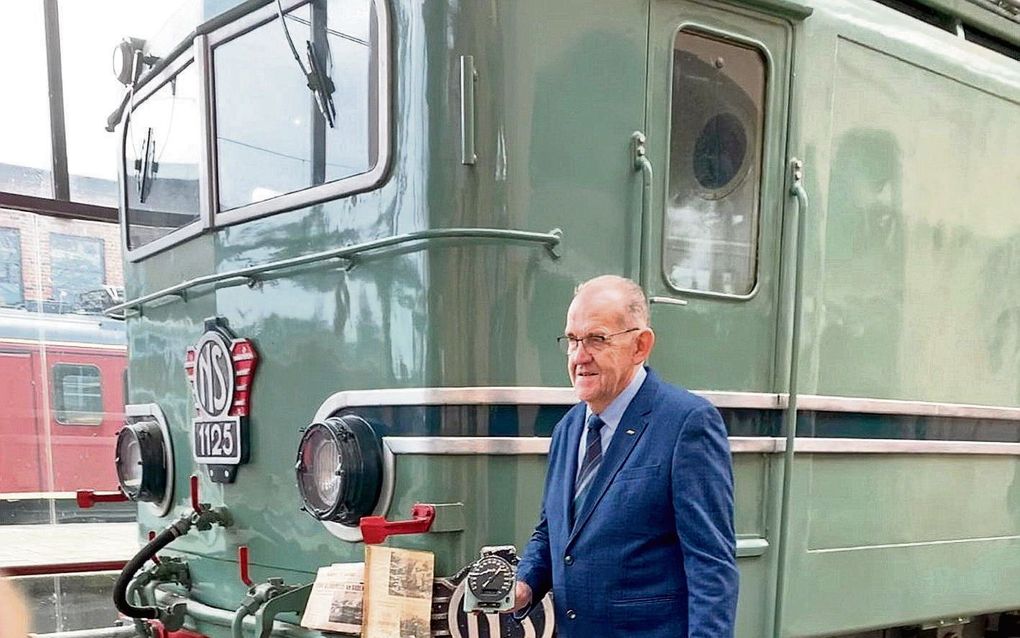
220	370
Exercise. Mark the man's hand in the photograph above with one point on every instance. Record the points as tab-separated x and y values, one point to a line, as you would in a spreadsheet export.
522	597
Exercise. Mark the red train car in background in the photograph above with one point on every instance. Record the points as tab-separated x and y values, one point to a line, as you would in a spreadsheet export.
61	405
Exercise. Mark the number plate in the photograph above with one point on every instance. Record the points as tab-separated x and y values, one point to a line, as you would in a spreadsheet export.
217	441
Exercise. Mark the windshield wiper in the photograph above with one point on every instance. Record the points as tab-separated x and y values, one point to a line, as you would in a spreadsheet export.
319	82
146	167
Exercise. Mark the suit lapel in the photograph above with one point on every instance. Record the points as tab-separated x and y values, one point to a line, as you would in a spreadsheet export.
574	427
628	433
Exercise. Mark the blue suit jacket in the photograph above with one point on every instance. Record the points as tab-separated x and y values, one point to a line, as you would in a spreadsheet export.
652	553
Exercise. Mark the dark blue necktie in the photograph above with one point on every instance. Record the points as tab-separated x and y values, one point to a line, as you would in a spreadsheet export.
591	462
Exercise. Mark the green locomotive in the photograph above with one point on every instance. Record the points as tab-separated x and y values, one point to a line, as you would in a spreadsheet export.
352	228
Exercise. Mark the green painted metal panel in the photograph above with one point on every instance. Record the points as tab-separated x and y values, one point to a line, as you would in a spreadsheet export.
911	164
868	500
904	261
751	489
890	540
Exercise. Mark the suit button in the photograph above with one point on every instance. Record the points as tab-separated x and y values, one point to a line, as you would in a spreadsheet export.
568	559
571	614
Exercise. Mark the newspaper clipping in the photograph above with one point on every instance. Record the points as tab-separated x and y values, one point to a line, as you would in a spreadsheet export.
398	593
335	603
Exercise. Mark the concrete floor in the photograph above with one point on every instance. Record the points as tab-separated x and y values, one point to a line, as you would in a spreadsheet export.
34	545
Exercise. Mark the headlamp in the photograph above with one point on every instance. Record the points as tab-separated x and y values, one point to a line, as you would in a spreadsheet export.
141	461
340	469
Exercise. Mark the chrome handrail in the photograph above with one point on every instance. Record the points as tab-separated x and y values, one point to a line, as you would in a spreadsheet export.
249	274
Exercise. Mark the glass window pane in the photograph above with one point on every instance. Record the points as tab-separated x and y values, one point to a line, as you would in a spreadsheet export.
67	602
89	32
264	121
25	165
60	370
162	160
77	266
717	118
11	291
77	394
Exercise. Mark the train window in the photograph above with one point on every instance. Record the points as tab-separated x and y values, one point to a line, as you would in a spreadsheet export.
161	150
710	230
77	394
11	291
280	145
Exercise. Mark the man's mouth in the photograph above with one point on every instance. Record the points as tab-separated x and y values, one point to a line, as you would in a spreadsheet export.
586	374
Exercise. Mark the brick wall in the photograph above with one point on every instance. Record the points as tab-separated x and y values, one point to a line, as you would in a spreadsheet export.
35	233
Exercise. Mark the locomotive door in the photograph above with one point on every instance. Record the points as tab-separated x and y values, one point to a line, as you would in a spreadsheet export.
716	116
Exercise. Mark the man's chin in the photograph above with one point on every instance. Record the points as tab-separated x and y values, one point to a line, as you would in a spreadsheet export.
584	392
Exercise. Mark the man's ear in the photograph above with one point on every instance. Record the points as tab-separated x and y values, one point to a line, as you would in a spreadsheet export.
643	345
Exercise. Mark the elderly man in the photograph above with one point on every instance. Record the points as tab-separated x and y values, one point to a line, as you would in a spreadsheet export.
636	533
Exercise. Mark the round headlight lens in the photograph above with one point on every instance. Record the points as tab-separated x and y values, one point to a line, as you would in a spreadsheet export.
141	461
339	469
129	462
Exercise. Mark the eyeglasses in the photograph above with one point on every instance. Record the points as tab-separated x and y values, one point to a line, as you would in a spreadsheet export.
593	343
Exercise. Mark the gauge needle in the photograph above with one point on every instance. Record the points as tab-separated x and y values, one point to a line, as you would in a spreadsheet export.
485	585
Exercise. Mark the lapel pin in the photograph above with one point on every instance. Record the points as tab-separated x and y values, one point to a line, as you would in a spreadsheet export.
630	431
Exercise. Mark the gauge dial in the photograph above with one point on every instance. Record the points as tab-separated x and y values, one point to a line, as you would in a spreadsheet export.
491	579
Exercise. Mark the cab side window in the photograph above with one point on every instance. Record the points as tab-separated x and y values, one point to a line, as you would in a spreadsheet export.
161	149
715	153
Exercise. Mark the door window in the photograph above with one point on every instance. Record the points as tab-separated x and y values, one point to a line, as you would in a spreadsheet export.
710	238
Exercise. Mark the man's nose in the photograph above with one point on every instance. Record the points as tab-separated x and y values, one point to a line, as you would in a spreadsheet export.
580	354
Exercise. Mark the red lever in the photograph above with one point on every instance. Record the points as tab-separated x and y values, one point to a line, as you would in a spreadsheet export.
375	529
194	494
159	631
88	498
242	565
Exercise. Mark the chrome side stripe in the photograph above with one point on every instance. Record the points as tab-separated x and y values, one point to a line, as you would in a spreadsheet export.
468	445
538	446
514	395
820	403
900	446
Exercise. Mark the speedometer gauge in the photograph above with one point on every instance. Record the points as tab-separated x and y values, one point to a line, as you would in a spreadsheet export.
491	580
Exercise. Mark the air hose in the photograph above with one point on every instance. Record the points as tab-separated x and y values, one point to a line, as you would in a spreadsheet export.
164	538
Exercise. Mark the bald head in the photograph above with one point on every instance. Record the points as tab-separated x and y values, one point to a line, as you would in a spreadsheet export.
622	293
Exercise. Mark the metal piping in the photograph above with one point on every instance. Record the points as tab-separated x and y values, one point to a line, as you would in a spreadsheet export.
237	624
790	415
196	611
347	253
125	631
